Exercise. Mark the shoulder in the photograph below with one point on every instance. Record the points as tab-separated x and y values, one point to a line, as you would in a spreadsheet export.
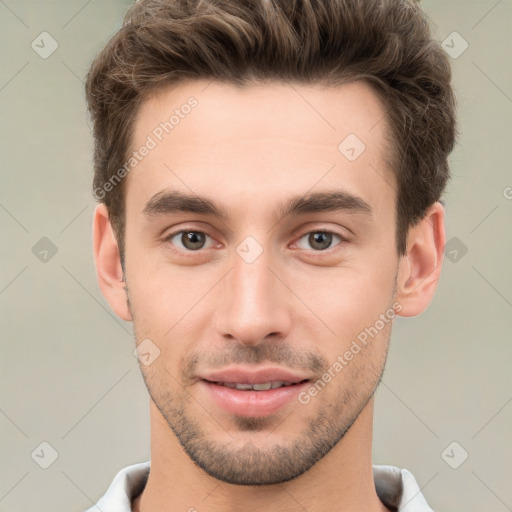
397	489
127	484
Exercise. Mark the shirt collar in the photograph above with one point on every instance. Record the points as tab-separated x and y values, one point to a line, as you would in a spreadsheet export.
396	488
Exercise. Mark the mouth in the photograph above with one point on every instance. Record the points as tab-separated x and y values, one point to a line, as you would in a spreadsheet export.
253	400
263	386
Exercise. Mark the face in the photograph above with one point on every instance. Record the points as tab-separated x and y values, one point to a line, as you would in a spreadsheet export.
260	248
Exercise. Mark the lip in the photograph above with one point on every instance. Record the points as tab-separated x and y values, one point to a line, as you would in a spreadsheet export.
240	375
252	403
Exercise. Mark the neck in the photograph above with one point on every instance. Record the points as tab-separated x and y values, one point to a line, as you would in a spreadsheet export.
340	481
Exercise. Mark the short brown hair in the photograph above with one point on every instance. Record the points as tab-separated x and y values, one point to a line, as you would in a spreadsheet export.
384	42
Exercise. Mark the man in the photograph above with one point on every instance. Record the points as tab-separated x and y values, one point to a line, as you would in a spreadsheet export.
269	176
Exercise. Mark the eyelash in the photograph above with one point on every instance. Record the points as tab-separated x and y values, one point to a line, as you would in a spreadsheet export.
342	239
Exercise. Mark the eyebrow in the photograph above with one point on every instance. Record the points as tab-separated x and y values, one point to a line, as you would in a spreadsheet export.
168	202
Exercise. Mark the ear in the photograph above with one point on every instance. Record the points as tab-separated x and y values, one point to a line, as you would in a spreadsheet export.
108	264
420	269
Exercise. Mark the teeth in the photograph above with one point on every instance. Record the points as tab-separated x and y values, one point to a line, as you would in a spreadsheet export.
243	386
228	384
278	384
262	387
256	387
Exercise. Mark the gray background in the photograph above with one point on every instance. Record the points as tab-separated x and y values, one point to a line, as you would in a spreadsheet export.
68	374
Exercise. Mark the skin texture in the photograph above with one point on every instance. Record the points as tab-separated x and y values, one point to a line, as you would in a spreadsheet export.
296	306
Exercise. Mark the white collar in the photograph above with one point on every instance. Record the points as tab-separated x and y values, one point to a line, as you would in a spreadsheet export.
396	488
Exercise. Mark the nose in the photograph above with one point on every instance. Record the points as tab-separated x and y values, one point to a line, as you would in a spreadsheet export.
253	303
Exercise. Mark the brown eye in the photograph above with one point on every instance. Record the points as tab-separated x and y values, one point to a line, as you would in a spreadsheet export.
188	240
320	240
193	240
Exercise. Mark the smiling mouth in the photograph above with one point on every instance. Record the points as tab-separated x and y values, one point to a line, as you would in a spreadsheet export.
264	386
238	397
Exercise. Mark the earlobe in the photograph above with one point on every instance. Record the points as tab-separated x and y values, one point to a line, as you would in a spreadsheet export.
420	269
108	264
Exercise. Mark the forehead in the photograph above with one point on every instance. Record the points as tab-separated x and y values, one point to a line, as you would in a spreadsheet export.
215	138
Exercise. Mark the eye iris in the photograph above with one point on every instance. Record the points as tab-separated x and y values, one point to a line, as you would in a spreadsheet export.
323	239
193	240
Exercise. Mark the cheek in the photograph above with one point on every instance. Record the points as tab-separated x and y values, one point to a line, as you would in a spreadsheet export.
161	291
349	299
171	308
